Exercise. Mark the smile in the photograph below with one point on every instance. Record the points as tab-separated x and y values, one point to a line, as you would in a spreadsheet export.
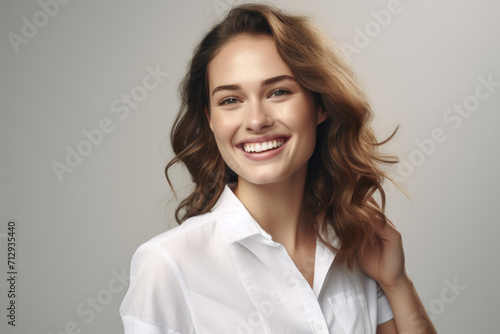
263	146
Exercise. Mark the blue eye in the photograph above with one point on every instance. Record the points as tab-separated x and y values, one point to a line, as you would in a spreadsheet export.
280	92
228	100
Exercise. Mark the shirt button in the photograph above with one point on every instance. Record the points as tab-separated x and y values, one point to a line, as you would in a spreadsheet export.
318	326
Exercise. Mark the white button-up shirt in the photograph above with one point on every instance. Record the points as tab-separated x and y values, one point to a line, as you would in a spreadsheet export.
222	273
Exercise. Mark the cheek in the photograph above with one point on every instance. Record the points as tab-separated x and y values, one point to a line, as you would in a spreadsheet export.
306	127
223	128
302	118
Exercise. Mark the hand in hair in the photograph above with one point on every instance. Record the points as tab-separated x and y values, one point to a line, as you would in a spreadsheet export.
387	266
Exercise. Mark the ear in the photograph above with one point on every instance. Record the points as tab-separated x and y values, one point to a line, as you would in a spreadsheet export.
322	115
207	114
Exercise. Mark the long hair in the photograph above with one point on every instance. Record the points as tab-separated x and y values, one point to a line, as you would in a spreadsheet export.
343	172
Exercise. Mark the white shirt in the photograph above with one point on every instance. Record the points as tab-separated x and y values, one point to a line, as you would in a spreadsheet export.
222	273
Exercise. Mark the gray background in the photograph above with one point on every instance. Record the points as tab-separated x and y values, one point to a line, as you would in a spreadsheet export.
77	234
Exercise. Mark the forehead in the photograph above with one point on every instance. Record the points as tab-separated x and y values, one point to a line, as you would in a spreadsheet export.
245	60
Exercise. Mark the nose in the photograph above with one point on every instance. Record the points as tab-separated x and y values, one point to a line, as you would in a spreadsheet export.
258	117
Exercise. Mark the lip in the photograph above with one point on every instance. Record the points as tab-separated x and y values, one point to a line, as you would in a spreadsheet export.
260	156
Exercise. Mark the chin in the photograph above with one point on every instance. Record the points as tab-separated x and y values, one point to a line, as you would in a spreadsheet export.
264	178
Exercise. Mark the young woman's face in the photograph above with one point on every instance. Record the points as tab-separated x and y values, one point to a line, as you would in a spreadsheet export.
263	120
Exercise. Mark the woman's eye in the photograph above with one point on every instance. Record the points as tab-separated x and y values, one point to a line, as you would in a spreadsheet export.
228	100
280	92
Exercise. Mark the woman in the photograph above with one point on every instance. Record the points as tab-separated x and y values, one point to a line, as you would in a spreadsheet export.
281	234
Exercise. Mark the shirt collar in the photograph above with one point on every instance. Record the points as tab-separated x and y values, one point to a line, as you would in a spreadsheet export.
234	221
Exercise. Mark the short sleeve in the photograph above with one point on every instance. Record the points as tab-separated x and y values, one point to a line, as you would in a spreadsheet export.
384	310
157	300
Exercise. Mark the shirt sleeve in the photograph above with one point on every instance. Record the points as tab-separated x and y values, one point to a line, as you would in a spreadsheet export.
156	301
384	310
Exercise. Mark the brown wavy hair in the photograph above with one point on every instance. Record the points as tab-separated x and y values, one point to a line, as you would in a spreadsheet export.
344	171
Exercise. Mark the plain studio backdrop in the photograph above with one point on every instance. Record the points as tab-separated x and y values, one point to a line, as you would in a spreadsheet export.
88	96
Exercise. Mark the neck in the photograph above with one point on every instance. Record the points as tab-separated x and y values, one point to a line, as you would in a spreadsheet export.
278	208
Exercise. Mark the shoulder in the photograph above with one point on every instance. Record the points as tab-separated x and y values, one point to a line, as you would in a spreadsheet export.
198	226
179	246
157	296
158	251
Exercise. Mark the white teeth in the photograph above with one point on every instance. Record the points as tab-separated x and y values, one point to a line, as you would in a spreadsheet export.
261	147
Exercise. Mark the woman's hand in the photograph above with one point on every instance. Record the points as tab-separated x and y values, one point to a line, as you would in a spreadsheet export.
387	266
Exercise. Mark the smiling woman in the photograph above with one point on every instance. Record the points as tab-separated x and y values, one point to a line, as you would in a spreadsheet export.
262	104
281	233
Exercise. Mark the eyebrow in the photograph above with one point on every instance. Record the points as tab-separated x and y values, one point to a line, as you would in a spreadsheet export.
263	83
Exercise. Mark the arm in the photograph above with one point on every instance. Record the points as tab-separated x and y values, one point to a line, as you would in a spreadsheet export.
409	313
388	269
